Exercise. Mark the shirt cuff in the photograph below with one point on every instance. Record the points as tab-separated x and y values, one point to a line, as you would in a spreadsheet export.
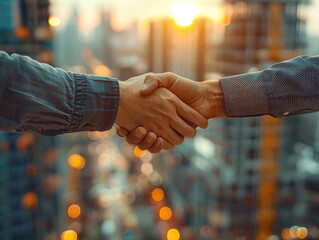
96	101
244	95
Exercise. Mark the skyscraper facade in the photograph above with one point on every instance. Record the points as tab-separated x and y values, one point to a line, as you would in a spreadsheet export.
28	203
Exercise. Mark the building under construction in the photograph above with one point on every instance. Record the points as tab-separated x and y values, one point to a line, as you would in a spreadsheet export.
246	182
262	198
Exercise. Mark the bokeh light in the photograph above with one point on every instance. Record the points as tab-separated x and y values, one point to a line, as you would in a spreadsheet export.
173	234
285	233
76	161
102	70
29	200
157	194
69	235
147	168
293	231
74	211
165	213
22	32
54	21
302	232
138	152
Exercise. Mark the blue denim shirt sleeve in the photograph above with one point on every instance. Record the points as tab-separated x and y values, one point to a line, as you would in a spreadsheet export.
49	101
286	88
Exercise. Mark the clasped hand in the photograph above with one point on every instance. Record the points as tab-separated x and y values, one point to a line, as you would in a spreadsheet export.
156	111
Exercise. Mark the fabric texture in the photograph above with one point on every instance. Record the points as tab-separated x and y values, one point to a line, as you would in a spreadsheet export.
286	88
50	101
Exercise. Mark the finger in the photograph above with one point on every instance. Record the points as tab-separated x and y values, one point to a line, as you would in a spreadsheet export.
153	81
175	138
136	136
191	116
183	128
167	145
157	145
122	132
148	141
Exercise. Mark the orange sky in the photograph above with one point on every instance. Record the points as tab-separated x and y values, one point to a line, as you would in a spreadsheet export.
126	10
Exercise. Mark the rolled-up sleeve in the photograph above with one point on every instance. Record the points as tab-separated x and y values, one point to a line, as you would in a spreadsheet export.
50	101
286	88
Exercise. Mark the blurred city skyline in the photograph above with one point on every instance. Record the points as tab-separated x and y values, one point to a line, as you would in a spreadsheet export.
239	179
125	13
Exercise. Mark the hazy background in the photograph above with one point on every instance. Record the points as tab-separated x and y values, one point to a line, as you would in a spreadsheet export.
246	178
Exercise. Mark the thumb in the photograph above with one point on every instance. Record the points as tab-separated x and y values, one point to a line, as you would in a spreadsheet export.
153	81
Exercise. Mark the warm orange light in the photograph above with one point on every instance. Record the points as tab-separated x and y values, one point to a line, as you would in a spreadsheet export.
29	200
102	70
22	32
157	194
293	231
76	161
285	234
184	14
173	234
165	213
74	211
69	235
138	152
54	21
302	233
25	141
220	16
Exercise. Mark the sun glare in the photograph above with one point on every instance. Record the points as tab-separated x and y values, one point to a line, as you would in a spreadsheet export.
184	14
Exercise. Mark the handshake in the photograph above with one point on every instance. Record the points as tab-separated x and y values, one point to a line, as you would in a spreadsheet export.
157	111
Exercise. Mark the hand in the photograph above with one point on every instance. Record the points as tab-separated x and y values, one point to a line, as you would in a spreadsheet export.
161	112
145	140
205	97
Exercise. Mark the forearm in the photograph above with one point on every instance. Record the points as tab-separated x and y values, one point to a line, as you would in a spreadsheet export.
287	88
50	101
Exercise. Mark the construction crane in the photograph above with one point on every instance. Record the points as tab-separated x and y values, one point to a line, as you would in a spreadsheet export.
270	139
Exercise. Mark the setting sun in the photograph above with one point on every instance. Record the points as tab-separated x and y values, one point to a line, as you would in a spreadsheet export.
184	14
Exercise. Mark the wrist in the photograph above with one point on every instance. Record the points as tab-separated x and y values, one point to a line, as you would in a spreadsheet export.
215	99
119	120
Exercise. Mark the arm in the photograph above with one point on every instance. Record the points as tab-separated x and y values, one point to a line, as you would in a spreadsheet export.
50	101
286	88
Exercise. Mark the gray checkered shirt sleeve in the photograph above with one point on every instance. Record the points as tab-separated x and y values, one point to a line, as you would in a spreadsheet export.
49	101
286	88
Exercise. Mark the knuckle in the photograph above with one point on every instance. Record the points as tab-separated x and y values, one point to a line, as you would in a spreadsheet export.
170	74
131	141
142	147
149	75
192	116
173	100
154	149
150	137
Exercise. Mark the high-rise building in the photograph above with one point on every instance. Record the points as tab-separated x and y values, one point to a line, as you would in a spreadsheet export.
178	49
240	178
28	194
259	151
